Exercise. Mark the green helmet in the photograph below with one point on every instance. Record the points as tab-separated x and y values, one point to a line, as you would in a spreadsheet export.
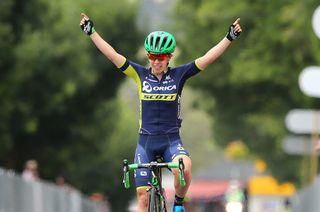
160	42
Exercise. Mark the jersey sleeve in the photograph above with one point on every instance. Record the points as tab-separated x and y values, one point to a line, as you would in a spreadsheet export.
132	70
189	70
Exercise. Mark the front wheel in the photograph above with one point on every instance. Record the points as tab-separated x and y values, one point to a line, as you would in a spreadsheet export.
154	204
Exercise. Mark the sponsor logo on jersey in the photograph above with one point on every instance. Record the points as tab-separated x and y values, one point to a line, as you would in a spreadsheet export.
151	79
143	173
161	97
139	158
148	88
179	147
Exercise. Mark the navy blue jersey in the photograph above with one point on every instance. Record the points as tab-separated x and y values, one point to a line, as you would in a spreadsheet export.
159	100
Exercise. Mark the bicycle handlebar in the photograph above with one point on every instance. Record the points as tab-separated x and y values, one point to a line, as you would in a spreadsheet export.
152	165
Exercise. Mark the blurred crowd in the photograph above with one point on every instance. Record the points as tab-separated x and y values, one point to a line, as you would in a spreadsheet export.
31	173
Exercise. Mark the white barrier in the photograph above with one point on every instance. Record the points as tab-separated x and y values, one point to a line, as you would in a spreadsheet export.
18	195
308	199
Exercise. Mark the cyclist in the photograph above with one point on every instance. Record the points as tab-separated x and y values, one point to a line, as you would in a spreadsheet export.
160	88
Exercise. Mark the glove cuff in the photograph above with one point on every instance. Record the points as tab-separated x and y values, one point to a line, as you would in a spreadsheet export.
93	30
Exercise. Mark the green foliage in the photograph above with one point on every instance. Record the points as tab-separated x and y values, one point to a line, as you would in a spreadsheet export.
57	91
196	130
255	83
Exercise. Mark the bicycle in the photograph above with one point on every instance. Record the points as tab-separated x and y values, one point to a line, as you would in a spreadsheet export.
157	201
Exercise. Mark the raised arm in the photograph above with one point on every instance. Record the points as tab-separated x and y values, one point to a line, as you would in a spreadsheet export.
87	26
217	50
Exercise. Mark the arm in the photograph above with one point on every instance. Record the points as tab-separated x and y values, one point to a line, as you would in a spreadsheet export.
217	50
116	58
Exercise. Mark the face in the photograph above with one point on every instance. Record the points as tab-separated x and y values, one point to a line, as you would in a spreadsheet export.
159	62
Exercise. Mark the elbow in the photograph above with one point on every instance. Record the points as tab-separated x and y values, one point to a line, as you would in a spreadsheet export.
202	63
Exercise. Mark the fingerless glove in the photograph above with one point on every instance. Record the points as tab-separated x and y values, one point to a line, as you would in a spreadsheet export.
87	27
232	34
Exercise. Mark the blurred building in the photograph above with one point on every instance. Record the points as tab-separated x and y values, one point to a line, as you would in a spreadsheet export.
262	192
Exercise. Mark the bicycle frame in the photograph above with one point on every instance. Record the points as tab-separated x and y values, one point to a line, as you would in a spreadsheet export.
156	197
157	200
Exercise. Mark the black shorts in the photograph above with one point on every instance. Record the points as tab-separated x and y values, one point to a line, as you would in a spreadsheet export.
167	146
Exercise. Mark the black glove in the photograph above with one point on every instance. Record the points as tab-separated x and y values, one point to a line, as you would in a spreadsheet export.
232	35
87	27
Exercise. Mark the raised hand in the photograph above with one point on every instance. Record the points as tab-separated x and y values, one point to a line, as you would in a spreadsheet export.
86	24
234	30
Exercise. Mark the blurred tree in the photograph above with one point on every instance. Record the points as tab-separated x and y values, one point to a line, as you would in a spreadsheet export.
236	150
196	131
255	83
16	18
57	91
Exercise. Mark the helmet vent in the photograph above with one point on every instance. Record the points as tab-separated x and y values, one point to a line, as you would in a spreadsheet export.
164	42
170	42
157	43
151	40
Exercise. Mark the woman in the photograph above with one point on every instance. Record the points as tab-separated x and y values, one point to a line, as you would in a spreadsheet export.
160	90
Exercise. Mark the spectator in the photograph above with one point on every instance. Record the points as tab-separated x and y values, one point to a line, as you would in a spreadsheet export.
31	172
101	200
61	181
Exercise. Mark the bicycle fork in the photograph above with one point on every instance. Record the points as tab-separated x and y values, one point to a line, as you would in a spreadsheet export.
156	184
